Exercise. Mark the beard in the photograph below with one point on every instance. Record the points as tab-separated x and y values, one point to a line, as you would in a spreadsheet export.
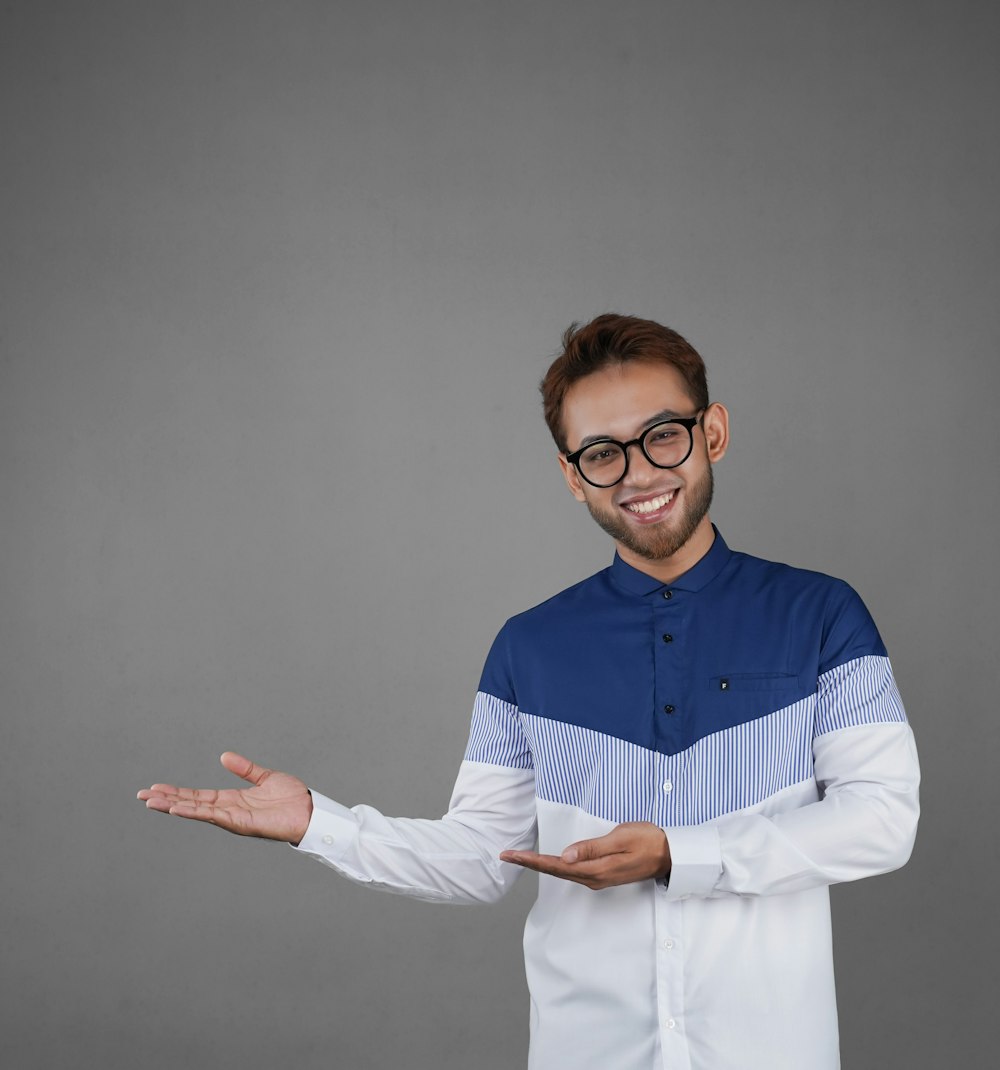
661	540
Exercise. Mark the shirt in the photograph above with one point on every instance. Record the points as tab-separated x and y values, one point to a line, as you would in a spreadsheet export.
749	709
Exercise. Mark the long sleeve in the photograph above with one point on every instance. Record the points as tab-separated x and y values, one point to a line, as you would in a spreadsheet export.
862	822
454	859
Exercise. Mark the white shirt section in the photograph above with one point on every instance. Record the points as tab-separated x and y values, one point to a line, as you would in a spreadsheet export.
727	967
732	983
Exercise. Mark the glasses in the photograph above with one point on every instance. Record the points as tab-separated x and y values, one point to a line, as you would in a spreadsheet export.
665	445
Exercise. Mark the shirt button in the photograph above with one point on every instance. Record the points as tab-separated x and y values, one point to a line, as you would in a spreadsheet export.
328	840
668	944
668	595
668	709
670	1023
668	638
668	786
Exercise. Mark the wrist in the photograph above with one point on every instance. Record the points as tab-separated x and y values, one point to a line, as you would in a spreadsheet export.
665	864
303	826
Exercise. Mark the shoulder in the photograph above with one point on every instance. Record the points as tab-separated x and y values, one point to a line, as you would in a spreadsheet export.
812	601
526	639
536	626
759	573
589	594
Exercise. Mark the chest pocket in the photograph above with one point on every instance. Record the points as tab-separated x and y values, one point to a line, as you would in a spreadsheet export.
744	682
738	697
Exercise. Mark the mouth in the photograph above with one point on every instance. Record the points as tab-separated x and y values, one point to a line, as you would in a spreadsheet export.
649	510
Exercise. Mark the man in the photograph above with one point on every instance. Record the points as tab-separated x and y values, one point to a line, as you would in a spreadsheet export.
698	742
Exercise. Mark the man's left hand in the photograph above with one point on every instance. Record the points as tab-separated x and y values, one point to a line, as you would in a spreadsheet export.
635	851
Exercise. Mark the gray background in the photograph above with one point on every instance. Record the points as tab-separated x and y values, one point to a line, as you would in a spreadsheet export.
278	284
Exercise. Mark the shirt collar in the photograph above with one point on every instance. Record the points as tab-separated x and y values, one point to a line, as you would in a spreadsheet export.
699	575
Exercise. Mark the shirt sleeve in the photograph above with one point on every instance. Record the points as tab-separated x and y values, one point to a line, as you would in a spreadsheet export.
455	858
866	777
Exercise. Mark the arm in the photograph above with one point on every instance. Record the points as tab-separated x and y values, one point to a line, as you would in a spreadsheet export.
863	823
453	859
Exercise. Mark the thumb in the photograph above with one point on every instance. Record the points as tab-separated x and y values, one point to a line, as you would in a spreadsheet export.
584	851
243	767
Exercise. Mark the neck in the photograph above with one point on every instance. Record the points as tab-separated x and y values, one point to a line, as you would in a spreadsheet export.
667	569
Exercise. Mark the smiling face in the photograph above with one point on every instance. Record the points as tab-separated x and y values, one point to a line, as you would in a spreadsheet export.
658	517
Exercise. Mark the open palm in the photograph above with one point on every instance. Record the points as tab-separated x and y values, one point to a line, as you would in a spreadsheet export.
277	807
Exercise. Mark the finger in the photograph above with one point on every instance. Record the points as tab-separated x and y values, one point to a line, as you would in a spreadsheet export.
148	794
540	864
530	859
212	815
243	767
552	865
172	803
168	791
520	858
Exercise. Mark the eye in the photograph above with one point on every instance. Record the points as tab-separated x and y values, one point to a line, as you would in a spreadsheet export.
600	453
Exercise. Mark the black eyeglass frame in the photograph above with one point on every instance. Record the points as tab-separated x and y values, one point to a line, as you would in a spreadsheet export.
687	422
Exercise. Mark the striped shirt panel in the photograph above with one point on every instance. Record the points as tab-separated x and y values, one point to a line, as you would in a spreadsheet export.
618	781
861	691
496	737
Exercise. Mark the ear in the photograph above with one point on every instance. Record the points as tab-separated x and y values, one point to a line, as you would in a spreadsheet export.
715	424
572	477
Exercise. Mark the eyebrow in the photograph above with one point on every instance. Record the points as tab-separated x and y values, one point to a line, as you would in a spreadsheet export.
658	418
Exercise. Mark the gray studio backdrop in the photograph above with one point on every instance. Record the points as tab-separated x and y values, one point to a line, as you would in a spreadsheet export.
278	284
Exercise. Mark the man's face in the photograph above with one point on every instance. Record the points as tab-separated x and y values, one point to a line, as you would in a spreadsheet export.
653	514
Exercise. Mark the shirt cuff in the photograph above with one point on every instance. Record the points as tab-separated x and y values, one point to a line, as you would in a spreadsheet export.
331	832
695	860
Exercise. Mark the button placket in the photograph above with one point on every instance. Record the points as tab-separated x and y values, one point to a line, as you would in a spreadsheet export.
670	612
667	638
670	982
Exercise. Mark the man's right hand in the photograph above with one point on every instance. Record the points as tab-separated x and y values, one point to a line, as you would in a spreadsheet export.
277	807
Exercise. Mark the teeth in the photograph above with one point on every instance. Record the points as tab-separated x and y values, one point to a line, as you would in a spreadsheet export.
651	506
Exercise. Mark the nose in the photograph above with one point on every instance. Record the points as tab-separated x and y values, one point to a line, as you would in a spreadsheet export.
640	470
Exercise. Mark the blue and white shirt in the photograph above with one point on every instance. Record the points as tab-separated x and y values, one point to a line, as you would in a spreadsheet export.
749	709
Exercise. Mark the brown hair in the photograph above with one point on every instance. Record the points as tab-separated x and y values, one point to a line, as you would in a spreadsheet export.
614	339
